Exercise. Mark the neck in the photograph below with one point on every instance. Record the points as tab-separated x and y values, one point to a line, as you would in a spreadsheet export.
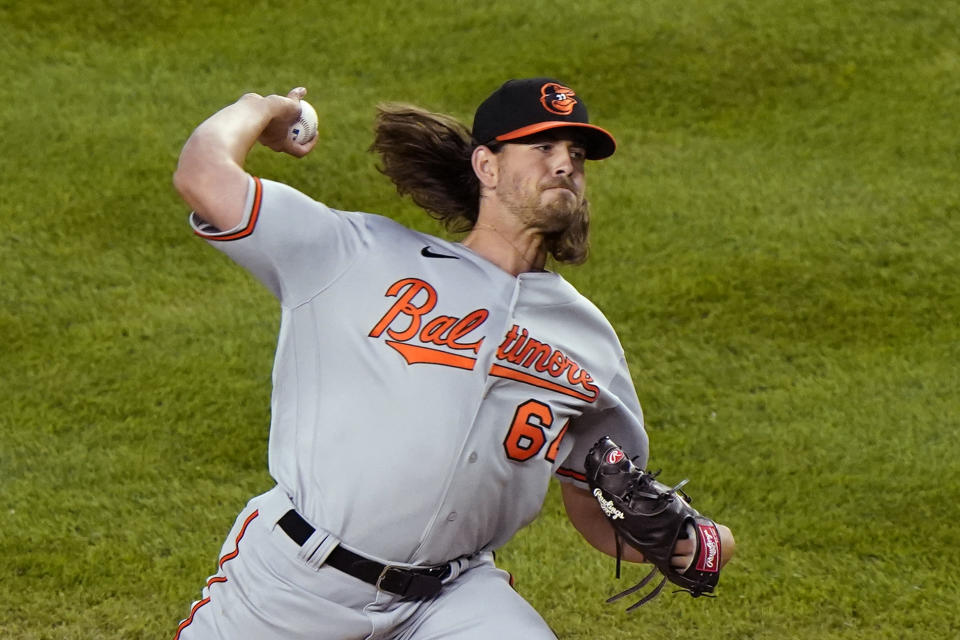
514	250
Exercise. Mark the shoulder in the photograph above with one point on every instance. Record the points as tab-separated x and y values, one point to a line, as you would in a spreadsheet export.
286	201
559	309
549	289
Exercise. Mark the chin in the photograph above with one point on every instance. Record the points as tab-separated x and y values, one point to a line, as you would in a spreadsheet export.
556	198
558	214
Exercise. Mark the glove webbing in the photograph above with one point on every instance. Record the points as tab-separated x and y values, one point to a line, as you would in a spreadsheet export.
647	598
653	572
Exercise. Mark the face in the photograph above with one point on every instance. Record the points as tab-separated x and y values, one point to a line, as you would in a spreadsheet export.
542	179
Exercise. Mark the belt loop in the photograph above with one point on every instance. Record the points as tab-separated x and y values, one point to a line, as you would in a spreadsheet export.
315	543
457	566
383	574
315	550
318	547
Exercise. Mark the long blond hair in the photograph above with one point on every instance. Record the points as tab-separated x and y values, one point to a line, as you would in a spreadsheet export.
427	155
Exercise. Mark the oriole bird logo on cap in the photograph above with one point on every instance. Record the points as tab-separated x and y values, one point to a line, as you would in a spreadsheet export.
557	98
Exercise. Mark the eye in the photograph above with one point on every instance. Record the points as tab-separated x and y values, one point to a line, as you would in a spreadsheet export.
578	154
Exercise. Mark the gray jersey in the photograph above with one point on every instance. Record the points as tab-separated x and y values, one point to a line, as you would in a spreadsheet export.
423	397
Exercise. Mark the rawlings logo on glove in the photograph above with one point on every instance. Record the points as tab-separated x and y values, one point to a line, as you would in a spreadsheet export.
710	558
651	517
607	506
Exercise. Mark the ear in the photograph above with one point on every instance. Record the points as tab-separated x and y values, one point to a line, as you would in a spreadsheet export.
486	165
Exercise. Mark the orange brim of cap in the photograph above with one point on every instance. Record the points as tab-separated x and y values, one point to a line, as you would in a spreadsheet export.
603	144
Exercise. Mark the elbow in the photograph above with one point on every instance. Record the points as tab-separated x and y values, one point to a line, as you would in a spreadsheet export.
198	171
188	183
216	194
181	182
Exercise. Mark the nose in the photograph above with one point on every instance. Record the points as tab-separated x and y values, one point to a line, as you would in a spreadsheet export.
563	163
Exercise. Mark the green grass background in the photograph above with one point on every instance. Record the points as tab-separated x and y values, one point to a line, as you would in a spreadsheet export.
776	241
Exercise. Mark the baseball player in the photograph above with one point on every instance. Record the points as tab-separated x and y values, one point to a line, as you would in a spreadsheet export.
424	391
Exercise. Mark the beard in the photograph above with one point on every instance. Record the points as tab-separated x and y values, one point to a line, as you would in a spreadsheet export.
550	209
562	217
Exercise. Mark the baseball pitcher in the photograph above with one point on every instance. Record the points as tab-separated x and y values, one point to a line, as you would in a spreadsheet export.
426	391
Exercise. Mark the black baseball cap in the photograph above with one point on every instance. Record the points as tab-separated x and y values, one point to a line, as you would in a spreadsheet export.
523	107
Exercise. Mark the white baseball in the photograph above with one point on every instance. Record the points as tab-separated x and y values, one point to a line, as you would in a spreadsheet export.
305	128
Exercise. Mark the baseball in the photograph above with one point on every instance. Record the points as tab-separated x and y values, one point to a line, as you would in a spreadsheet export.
305	128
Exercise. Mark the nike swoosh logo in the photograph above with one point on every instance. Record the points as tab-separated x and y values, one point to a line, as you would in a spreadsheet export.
427	253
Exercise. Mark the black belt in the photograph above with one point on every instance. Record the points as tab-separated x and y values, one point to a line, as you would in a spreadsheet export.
418	584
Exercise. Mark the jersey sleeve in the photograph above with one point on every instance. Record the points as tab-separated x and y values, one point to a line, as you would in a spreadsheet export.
293	244
621	419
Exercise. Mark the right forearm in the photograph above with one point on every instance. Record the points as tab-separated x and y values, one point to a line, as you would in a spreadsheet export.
210	175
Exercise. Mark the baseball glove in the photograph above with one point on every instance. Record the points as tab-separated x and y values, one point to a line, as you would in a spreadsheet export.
651	517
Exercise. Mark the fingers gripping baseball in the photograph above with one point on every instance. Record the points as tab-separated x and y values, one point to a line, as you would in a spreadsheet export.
684	552
292	127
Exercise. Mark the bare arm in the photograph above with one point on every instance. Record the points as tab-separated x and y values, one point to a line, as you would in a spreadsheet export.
588	519
210	176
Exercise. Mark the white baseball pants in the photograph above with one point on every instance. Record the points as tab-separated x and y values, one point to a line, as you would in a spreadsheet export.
269	588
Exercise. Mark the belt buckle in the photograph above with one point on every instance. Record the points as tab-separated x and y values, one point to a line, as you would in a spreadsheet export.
408	583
